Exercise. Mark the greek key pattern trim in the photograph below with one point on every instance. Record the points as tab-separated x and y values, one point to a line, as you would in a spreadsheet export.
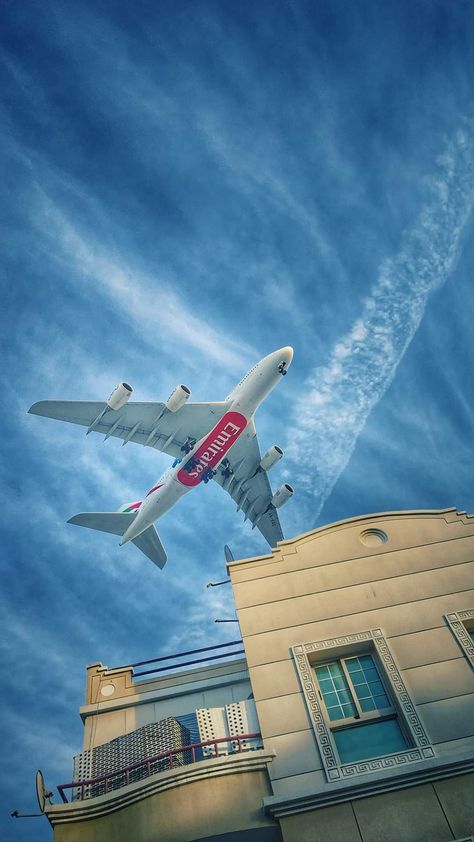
334	770
400	692
456	621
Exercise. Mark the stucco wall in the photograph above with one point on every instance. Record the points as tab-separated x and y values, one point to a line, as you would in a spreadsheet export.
435	812
329	584
202	809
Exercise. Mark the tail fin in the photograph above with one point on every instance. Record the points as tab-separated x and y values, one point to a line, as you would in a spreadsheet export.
117	523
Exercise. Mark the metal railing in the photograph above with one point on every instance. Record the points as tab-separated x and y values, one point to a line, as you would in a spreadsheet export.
178	664
141	769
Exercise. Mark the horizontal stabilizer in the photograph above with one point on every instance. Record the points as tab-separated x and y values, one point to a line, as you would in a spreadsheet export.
117	523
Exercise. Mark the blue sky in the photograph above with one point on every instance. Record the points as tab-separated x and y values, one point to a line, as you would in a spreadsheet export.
187	187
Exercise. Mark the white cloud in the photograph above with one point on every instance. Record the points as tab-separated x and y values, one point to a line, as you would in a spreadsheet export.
340	395
148	303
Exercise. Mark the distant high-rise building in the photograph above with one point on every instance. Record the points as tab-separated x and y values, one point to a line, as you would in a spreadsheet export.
125	751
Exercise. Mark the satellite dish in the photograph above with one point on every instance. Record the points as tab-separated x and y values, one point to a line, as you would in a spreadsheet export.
41	792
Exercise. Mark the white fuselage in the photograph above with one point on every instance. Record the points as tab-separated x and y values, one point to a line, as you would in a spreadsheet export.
209	452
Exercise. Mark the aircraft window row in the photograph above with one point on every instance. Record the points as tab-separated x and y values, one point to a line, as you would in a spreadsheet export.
247	375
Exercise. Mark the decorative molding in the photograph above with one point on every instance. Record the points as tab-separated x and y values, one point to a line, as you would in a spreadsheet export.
334	769
341	791
456	621
400	692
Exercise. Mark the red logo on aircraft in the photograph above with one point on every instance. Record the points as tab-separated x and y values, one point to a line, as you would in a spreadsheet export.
213	448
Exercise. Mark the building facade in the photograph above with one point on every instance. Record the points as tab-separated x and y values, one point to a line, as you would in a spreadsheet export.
354	702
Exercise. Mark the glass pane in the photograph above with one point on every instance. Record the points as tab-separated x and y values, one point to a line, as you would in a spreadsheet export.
371	674
357	677
366	661
372	739
335	691
335	670
376	688
367	684
352	664
345	697
336	713
363	691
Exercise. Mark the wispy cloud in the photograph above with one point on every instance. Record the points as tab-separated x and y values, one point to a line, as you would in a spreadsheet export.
339	395
149	304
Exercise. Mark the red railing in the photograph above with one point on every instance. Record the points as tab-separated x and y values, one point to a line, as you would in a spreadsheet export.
132	773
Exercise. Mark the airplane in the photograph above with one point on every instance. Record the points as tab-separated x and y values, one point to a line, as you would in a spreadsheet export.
206	440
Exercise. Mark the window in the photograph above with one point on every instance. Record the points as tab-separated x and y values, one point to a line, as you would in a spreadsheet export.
361	712
363	720
461	624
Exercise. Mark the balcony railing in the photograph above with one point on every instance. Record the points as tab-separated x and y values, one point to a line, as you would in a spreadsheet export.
173	758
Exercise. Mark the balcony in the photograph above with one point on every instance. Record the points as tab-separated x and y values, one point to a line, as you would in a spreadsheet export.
172	759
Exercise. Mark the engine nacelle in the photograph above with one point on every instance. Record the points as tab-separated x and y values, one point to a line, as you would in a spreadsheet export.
119	396
178	398
271	457
282	495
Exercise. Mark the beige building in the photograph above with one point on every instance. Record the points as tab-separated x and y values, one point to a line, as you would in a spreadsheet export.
351	716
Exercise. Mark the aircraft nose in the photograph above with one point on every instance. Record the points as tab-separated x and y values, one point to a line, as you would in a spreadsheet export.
286	354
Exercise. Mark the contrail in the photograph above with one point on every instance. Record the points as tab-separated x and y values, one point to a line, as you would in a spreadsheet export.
361	365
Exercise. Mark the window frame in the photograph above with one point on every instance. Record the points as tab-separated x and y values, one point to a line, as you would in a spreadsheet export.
362	716
309	655
461	624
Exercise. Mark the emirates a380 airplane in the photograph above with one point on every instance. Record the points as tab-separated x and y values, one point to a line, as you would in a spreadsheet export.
207	441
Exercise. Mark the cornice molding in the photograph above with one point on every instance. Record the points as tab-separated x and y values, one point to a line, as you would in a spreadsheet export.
289	545
343	791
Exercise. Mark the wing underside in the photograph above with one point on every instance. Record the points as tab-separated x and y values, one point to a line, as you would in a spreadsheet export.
150	424
249	486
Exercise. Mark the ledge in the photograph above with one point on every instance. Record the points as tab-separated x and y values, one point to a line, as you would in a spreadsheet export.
363	786
145	692
75	811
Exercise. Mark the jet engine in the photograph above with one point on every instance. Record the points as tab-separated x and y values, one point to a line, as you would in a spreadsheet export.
271	457
282	495
178	398
119	396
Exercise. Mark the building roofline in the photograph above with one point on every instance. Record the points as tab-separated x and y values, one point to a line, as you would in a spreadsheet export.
341	524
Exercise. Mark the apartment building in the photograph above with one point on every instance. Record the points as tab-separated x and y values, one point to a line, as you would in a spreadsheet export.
345	709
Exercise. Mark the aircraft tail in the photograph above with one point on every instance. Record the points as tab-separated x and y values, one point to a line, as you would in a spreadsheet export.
117	523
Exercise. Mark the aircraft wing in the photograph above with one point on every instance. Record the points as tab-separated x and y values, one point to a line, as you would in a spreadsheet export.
146	423
249	487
